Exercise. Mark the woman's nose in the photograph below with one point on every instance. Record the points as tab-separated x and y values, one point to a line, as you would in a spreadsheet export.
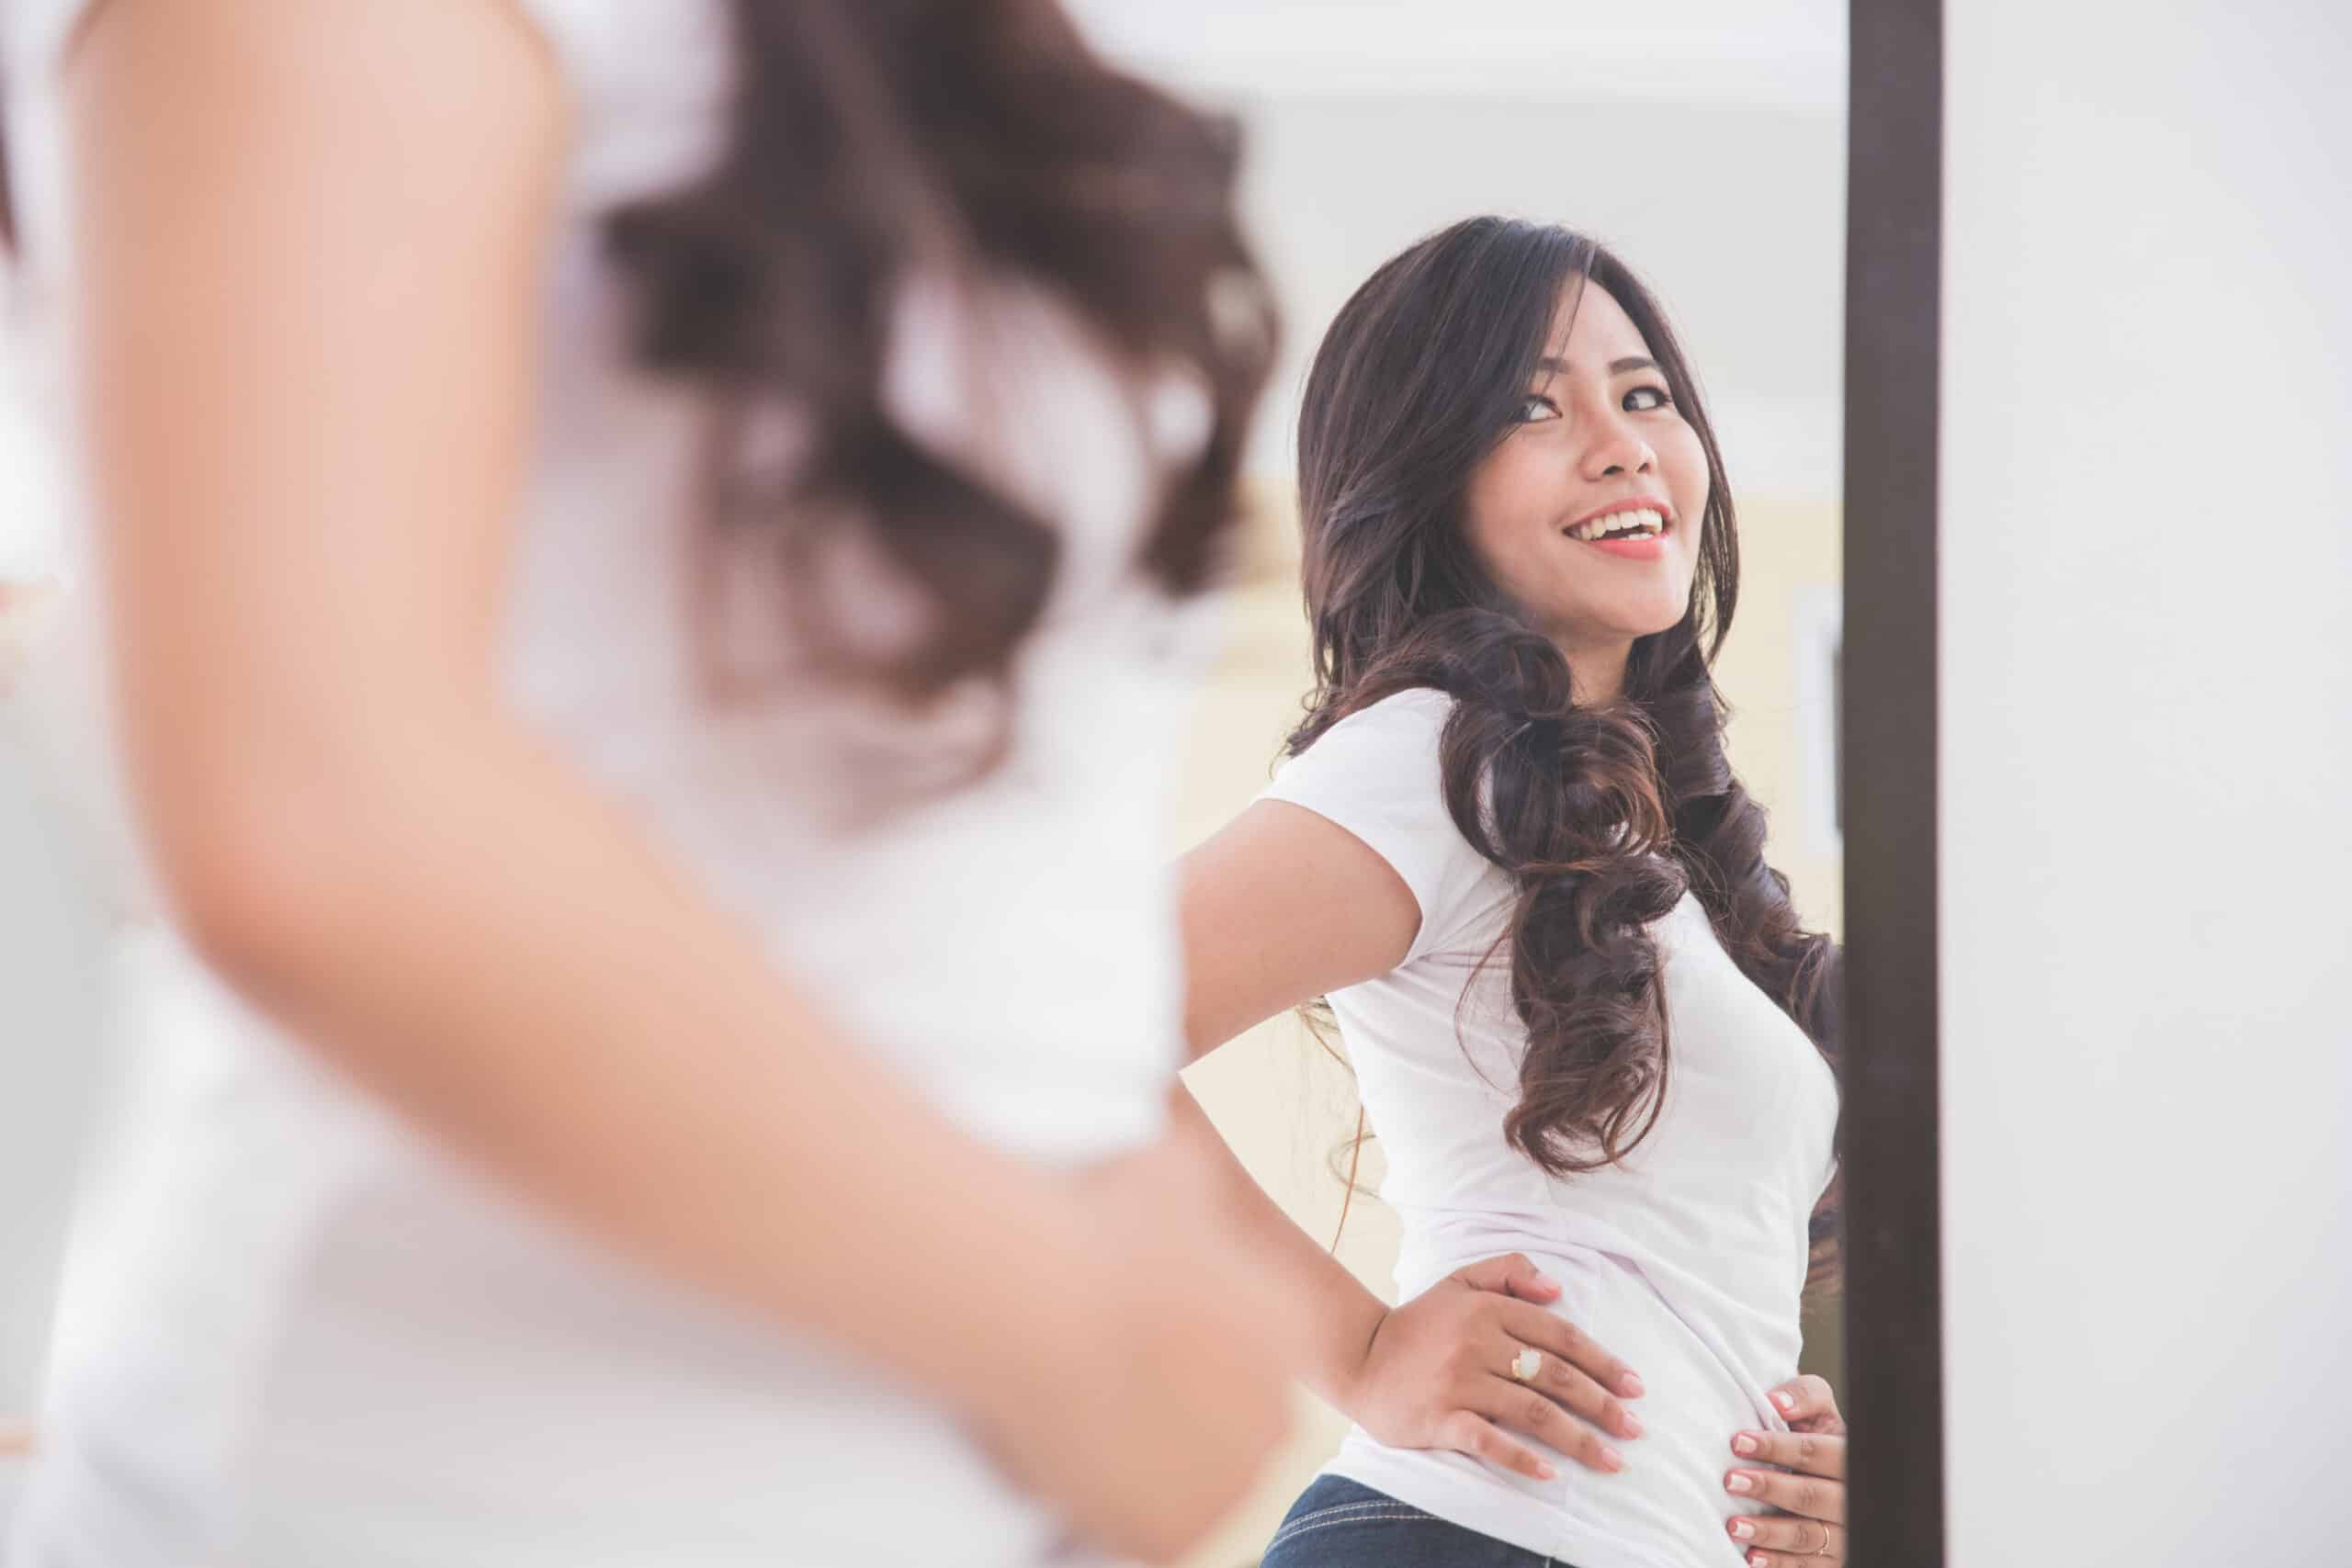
1616	448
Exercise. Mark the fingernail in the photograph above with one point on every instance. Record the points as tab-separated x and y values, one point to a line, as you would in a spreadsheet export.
1785	1401
1758	1560
1630	1386
1743	1530
1743	1444
1544	1471
1633	1428
1546	1280
1611	1459
1739	1482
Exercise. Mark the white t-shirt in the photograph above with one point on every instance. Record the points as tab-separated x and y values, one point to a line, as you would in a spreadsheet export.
1686	1261
295	1333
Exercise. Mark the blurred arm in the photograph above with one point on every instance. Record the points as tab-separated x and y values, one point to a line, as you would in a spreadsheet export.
312	239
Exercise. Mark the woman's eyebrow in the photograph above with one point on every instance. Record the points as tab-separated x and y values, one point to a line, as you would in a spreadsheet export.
1558	367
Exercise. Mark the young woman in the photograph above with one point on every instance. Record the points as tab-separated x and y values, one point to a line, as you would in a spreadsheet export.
641	549
1584	1019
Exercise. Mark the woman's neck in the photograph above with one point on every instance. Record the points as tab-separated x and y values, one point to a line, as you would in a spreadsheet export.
1597	672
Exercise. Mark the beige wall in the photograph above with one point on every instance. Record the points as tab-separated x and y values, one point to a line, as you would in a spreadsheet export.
1282	1103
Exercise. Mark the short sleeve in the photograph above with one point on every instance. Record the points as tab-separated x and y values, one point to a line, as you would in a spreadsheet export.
1376	773
649	84
32	45
32	35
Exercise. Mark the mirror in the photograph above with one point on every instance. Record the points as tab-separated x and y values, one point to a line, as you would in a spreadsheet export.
1711	154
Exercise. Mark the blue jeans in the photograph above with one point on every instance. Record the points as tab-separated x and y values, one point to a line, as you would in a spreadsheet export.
1337	1523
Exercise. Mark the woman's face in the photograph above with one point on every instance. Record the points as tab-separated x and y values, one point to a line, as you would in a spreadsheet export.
1600	450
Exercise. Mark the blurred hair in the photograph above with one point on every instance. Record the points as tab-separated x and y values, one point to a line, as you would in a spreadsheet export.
872	141
1603	817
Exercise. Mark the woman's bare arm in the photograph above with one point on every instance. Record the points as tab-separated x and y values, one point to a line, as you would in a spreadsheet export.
1280	907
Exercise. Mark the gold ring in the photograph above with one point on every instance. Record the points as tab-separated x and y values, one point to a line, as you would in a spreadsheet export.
1528	1364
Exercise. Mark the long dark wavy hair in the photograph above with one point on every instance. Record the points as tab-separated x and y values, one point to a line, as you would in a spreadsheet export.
1602	816
977	139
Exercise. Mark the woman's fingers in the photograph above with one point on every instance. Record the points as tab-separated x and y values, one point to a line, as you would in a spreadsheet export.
1587	1398
1512	1274
1525	1409
1569	1387
1809	1488
1815	1453
1813	1497
1787	1543
1466	1432
1770	1542
1808	1399
1555	1335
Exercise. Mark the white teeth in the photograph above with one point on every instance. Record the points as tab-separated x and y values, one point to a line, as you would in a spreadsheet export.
1644	522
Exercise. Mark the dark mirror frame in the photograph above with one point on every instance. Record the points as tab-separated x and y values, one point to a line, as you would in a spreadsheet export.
1887	779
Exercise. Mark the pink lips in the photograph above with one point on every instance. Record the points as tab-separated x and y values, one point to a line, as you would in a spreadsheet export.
1632	550
1650	548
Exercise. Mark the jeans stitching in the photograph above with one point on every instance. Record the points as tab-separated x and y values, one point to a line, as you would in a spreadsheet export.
1316	1522
1326	1512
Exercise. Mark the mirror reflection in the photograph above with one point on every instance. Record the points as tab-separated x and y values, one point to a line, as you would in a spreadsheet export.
1378	1120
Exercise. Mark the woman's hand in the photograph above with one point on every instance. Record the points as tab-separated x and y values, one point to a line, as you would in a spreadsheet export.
1438	1374
1156	1374
1805	1480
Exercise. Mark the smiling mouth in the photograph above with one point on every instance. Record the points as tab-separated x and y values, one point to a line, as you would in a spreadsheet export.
1629	522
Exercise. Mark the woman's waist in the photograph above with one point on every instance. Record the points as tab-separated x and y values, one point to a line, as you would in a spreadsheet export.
571	1397
410	1349
631	1451
1731	1295
1707	1357
1667	1506
276	1252
1704	1377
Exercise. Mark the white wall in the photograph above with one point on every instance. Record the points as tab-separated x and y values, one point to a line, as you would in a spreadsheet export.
1734	213
1774	53
2147	731
1706	141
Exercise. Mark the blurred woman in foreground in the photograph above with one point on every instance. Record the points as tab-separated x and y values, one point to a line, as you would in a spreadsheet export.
641	555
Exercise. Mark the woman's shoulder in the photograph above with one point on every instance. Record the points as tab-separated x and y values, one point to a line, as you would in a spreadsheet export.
1382	759
648	86
1379	773
33	34
624	50
1412	719
648	82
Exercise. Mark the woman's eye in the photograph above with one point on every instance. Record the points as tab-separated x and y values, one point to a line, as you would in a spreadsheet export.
1537	408
1640	399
